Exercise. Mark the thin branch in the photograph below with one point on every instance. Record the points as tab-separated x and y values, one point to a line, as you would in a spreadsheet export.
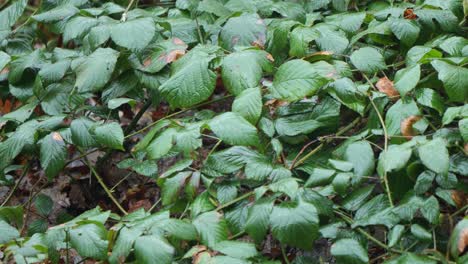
240	198
178	113
138	116
103	185
23	174
319	147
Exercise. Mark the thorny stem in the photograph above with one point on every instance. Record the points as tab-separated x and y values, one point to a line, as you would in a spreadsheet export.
103	185
23	174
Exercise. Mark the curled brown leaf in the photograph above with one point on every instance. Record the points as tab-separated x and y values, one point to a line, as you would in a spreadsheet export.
406	126
385	86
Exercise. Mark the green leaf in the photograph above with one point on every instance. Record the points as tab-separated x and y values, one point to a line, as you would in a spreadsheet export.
295	224
421	54
10	148
458	237
434	155
243	70
401	110
424	182
463	126
80	132
258	219
395	158
134	34
395	235
43	204
245	30
117	102
454	80
212	228
430	98
8	232
421	233
10	14
301	37
249	104
295	80
145	250
368	60
89	240
454	112
407	31
110	135
431	210
56	14
53	154
349	251
360	154
162	144
77	27
191	85
236	249
4	59
172	187
355	199
407	79
95	70
165	52
234	130
147	168
345	91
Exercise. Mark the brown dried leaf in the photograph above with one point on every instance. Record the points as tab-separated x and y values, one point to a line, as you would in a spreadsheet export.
270	57
407	126
462	240
409	14
385	86
459	198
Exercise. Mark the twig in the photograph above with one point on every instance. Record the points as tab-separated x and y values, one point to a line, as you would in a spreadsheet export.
319	147
367	235
300	153
177	113
103	185
23	174
464	208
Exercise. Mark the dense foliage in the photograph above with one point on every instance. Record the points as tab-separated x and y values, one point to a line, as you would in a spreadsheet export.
287	131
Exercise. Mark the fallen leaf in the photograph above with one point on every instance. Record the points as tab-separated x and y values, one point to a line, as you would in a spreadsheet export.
270	57
407	126
385	86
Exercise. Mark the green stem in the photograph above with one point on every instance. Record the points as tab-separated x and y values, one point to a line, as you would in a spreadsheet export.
23	174
240	198
285	257
367	235
104	186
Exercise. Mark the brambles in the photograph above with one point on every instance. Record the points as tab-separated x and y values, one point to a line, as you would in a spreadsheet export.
233	131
